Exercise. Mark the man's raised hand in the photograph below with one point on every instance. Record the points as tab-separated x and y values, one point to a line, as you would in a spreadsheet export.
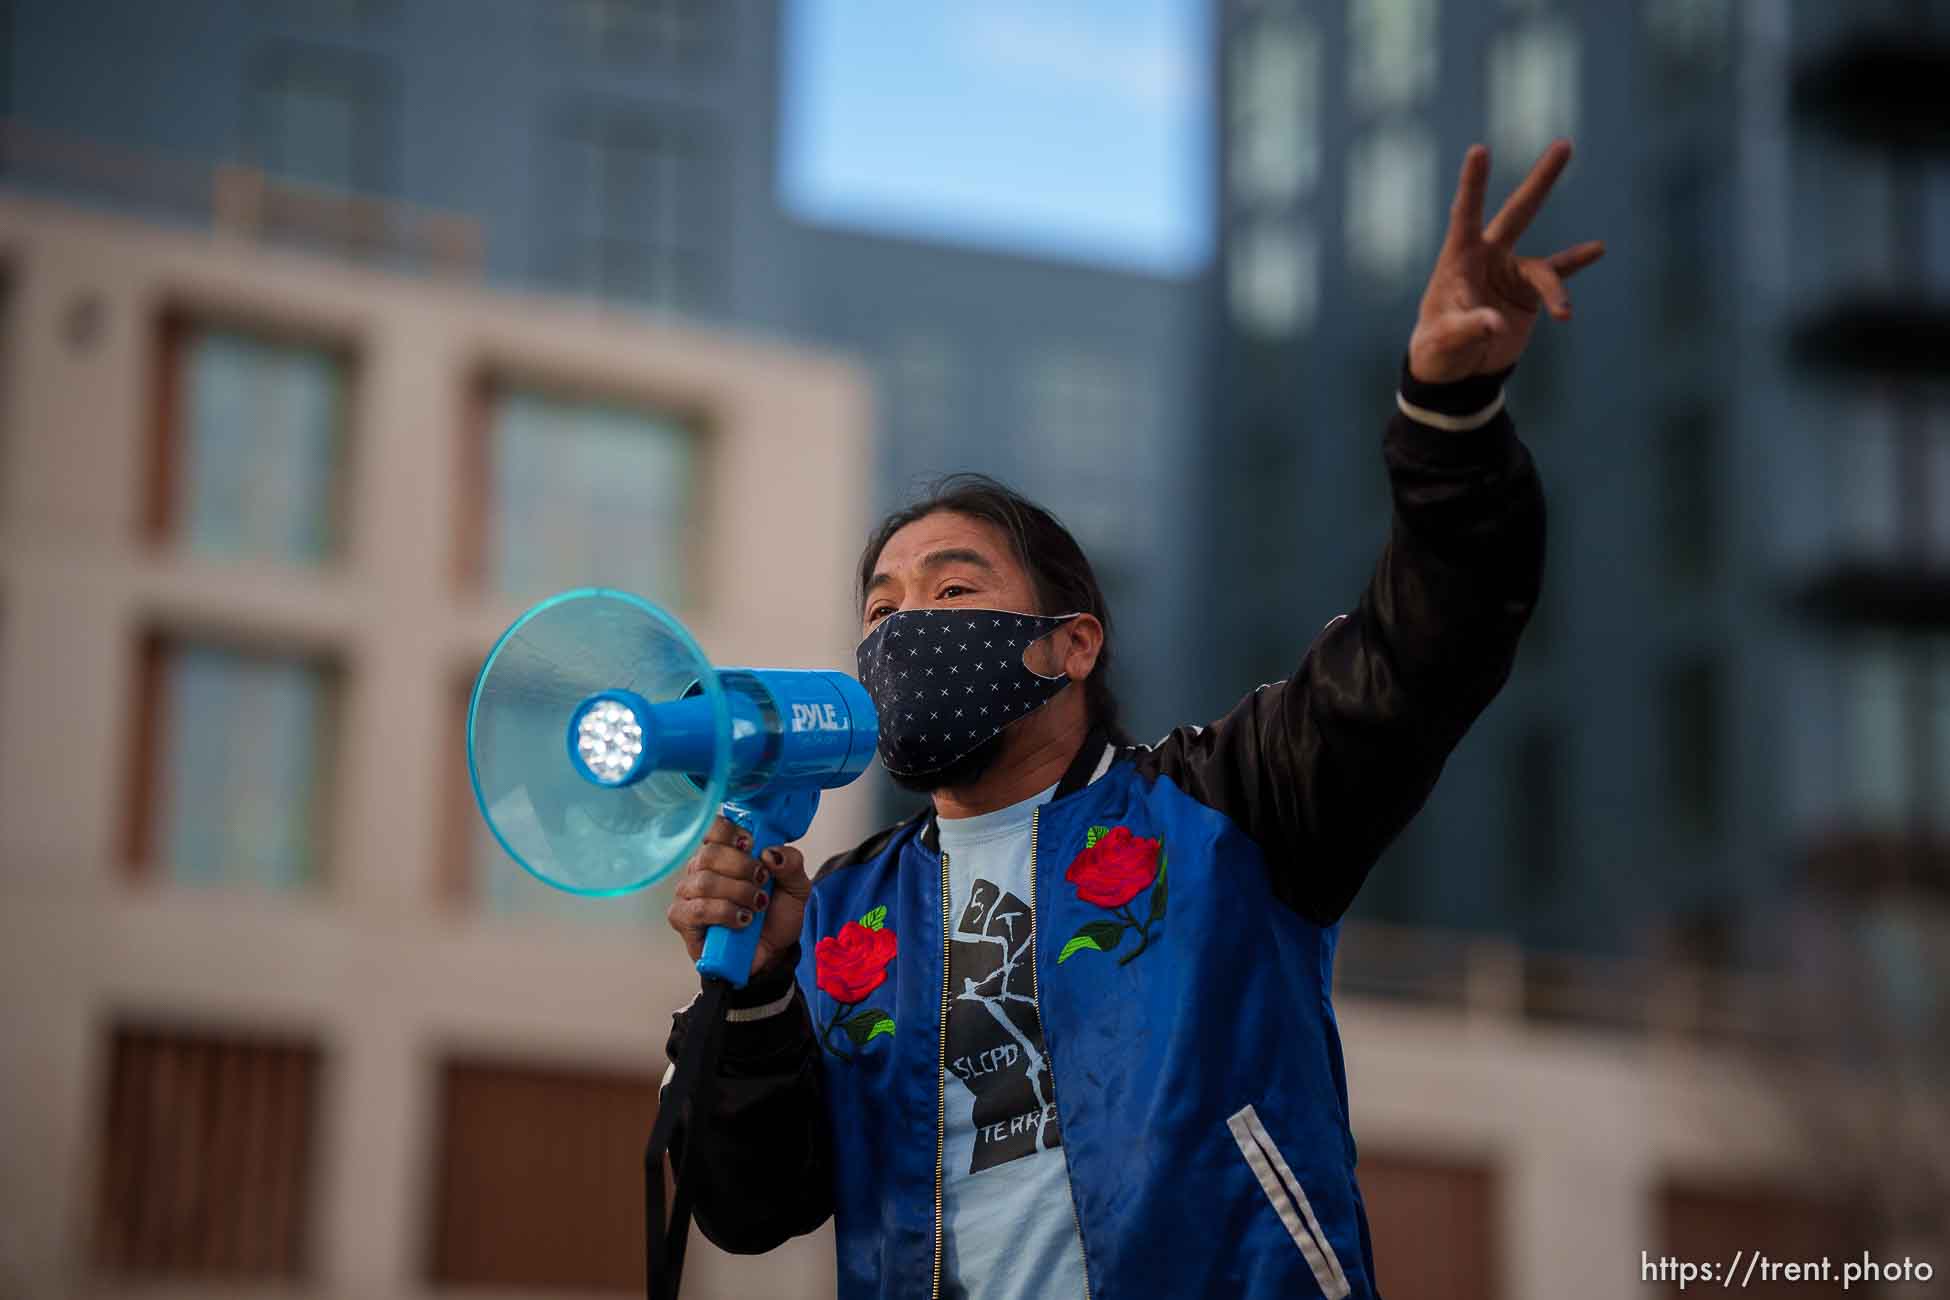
1483	298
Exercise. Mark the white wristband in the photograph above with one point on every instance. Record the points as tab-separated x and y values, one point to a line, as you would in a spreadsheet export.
739	1016
1450	423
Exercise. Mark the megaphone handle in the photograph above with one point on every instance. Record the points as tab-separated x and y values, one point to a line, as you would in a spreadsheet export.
773	817
728	952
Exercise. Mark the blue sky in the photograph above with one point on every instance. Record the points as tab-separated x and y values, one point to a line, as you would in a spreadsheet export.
1072	129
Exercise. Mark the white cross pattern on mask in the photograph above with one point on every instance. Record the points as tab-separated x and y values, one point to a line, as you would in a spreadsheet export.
907	751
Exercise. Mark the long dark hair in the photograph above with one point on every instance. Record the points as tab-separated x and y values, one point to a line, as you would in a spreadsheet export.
1061	573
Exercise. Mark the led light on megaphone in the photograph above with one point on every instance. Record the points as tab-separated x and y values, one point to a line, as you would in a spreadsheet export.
609	741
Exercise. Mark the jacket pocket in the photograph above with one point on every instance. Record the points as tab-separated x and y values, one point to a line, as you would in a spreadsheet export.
1289	1201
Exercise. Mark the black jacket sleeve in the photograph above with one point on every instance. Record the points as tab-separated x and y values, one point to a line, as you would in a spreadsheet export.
761	1162
1325	768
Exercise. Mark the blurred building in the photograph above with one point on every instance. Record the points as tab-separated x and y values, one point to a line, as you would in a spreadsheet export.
1639	784
1867	544
1727	739
278	1008
1612	784
628	150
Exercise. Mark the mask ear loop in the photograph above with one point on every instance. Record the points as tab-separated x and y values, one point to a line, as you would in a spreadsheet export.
1049	677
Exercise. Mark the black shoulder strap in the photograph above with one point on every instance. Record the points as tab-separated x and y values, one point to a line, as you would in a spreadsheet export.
687	1098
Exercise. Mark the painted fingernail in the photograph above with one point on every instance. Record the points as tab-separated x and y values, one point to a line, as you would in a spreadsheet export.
744	842
761	876
744	916
774	856
761	901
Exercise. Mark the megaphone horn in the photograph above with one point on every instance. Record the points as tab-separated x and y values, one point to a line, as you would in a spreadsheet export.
601	742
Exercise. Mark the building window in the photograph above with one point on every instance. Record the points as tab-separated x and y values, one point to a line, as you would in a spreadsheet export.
539	1177
634	209
1274	113
1272	277
1274	133
1895	731
1089	437
1690	702
1533	90
1700	1220
1876	768
1689	38
1536	787
1392	52
1894	769
1391	203
641	31
233	751
1864	447
1435	1225
577	492
250	446
1689	506
206	1147
324	117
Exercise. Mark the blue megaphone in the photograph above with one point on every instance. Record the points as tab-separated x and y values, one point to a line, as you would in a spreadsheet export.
601	742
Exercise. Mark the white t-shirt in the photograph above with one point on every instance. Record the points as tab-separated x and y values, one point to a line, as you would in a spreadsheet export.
1008	1225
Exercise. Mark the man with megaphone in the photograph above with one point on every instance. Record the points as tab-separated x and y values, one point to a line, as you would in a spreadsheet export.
1068	1031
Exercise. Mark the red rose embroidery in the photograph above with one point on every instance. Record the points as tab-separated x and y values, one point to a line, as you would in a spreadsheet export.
1116	869
853	963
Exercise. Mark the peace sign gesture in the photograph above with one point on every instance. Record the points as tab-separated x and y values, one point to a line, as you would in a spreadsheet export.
1483	298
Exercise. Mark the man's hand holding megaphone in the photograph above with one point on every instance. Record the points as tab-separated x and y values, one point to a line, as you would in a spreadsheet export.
723	884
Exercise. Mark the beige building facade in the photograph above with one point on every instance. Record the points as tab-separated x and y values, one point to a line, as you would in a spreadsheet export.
376	963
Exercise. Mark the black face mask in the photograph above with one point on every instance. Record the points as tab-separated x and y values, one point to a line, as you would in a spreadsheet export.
947	681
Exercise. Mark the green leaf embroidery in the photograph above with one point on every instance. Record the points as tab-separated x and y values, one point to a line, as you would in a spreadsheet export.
1075	945
1158	892
867	1025
1098	936
1095	833
875	919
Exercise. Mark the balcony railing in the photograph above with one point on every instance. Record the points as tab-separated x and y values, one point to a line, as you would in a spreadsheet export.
1491	980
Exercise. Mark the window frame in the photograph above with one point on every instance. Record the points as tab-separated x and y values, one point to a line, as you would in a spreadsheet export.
147	792
159	513
492	381
218	1055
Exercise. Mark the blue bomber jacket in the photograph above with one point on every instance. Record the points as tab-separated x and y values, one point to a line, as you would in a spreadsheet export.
1199	1086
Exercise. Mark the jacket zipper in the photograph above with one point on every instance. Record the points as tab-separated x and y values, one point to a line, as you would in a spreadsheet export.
1035	991
941	1075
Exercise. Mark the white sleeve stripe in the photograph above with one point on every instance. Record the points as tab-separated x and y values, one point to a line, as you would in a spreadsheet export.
740	1015
1450	423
